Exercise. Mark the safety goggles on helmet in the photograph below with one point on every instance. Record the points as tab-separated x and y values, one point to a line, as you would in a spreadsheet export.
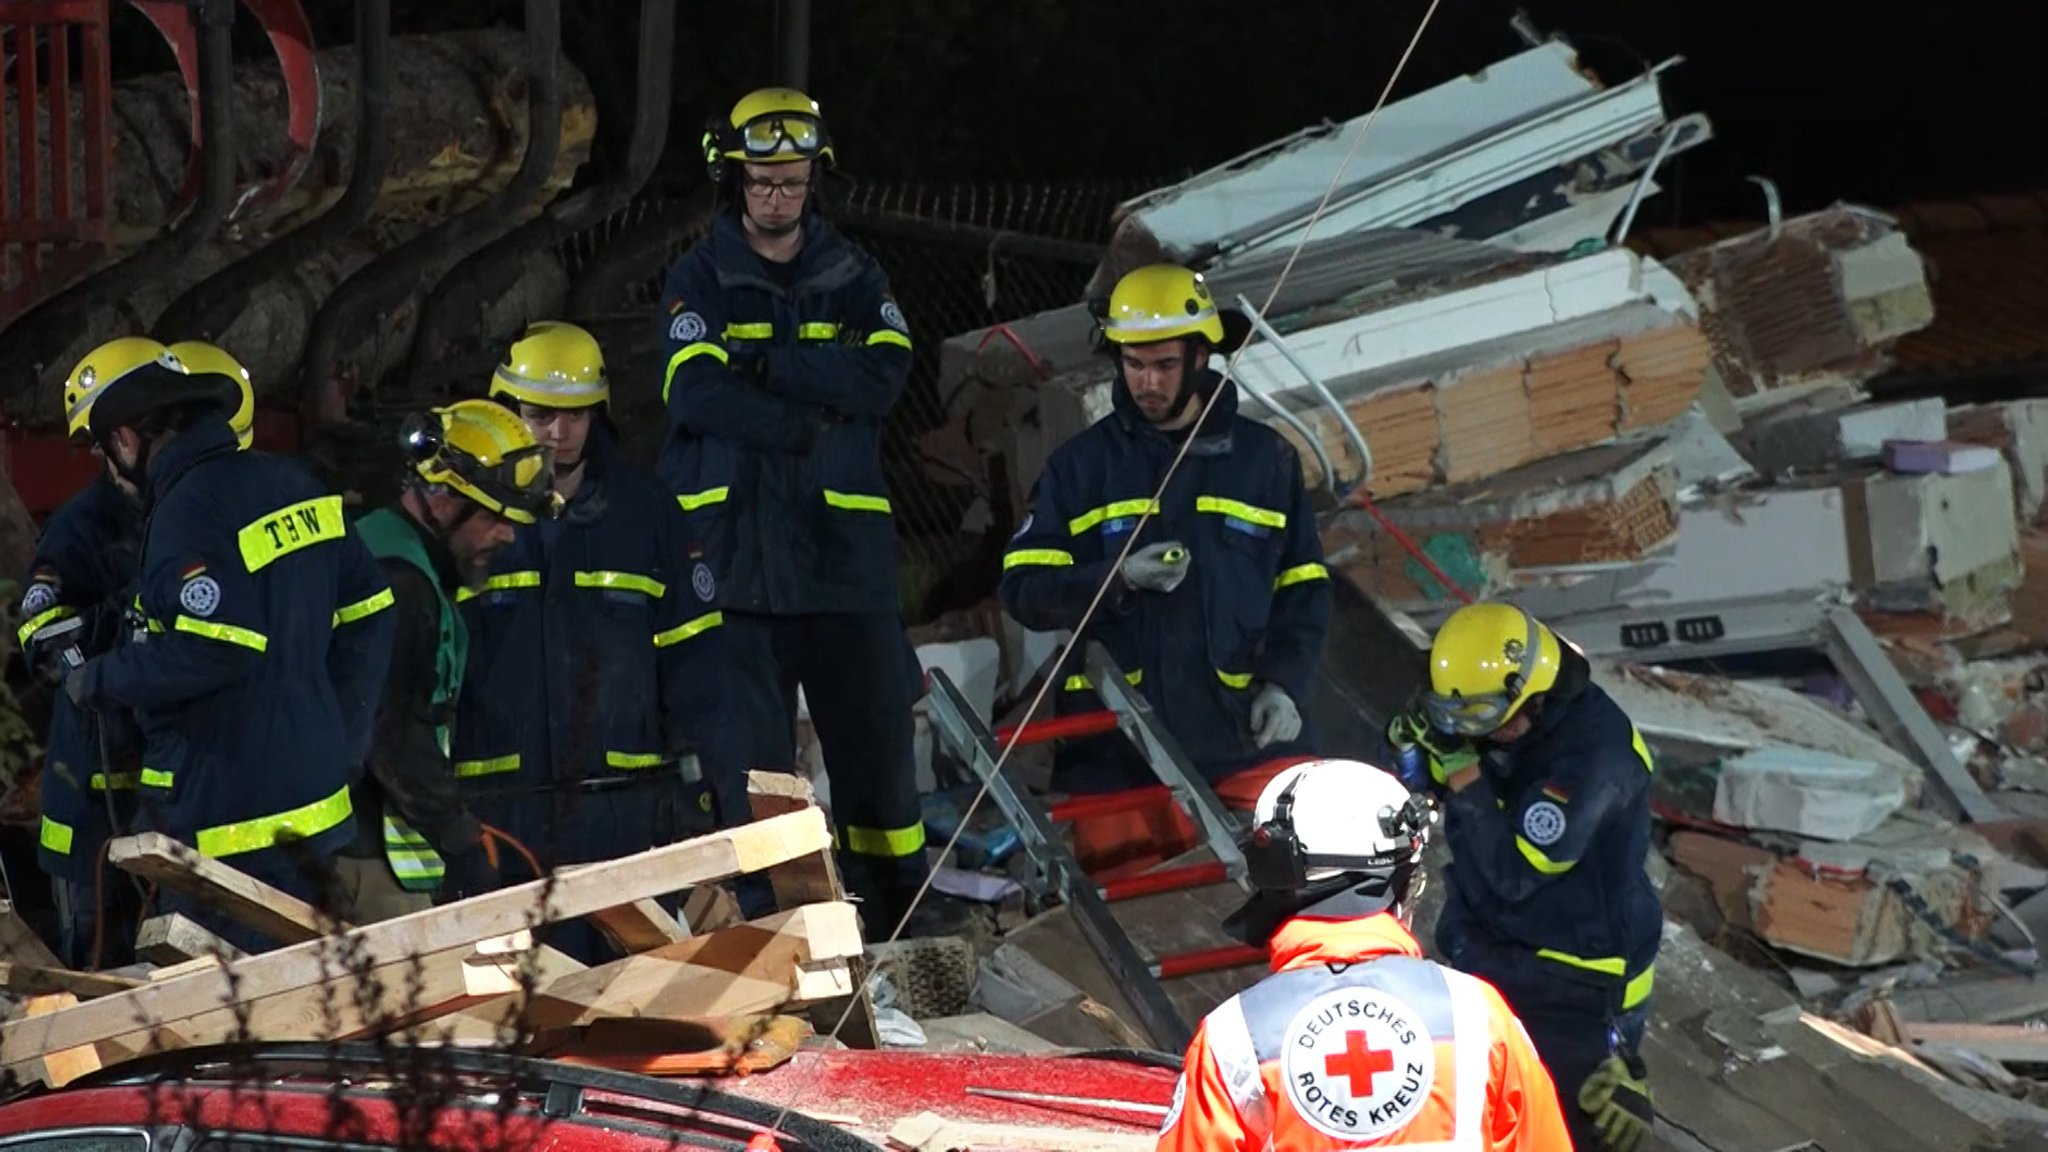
1275	860
1482	714
518	486
763	137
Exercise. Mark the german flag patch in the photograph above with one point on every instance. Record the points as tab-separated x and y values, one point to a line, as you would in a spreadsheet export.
1556	793
193	573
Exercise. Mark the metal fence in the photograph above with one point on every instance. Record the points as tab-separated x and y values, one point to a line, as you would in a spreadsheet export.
959	257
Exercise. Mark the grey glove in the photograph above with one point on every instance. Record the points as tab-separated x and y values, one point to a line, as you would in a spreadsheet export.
1157	567
1274	716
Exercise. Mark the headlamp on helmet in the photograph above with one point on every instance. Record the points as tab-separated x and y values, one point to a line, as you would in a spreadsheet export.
1276	860
483	452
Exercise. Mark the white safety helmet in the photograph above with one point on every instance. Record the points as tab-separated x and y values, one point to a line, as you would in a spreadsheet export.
1342	837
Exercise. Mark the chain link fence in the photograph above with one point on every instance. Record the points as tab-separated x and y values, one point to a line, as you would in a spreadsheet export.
959	257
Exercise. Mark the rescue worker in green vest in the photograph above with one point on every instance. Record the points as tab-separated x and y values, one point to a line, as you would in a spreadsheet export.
473	475
593	663
262	638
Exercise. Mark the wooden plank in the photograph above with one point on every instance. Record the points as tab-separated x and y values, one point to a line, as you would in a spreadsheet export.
61	1068
174	938
19	942
813	880
2005	1043
708	909
1996	1000
641	926
571	892
743	970
168	864
31	979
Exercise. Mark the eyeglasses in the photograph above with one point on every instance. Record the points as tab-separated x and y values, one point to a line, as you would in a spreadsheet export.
777	189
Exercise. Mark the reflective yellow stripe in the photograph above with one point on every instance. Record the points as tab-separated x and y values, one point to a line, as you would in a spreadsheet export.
1633	993
1542	863
750	331
687	629
632	760
889	336
855	502
36	623
350	613
298	824
156	778
1235	679
285	531
56	837
817	331
491	767
502	582
1635	739
1300	574
1037	557
1237	509
227	633
1116	511
885	841
1081	683
627	581
689	352
691	501
122	780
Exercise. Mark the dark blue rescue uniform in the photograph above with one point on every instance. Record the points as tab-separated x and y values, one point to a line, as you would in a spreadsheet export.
1548	898
1253	608
85	568
266	650
779	379
591	656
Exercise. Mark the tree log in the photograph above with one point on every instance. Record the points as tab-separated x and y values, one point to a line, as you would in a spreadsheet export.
458	109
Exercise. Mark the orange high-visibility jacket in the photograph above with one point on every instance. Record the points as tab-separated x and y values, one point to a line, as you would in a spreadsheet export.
1355	1041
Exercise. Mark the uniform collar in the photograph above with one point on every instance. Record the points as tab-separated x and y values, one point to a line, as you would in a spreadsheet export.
821	264
208	437
1305	941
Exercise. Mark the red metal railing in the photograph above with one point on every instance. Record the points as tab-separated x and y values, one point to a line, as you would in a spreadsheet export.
55	52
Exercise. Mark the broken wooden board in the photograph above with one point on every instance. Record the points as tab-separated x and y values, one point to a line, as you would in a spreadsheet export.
299	968
35	980
61	1068
789	958
640	926
2005	1043
169	864
174	938
1960	998
815	879
19	942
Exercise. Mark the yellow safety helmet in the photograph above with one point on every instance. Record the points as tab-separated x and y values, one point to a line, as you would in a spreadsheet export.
200	356
101	367
555	365
767	126
1488	659
1161	302
480	449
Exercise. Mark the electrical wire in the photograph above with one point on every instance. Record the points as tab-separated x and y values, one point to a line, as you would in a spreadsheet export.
1080	630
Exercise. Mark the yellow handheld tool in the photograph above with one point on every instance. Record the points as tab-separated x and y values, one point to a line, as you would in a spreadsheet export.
1174	556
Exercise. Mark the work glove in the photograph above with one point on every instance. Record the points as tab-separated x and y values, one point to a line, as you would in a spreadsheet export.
1157	567
1424	757
1617	1097
470	872
1274	716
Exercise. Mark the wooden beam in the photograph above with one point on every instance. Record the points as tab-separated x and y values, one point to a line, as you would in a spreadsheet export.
168	864
571	892
795	956
19	942
810	880
31	979
640	926
174	938
61	1068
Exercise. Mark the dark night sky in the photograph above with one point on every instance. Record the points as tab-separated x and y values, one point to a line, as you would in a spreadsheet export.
1832	101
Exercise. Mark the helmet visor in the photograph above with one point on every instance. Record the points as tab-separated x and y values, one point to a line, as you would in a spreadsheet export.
1468	715
764	136
521	484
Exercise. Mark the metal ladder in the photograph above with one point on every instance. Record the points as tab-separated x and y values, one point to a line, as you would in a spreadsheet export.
966	736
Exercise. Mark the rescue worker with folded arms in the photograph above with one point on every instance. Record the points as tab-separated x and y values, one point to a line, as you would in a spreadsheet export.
75	606
786	353
1355	1040
591	662
1545	785
473	475
1217	615
264	634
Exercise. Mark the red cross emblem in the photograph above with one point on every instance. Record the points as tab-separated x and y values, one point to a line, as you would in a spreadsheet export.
1357	1062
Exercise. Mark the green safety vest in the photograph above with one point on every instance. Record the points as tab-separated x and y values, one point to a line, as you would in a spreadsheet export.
390	536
